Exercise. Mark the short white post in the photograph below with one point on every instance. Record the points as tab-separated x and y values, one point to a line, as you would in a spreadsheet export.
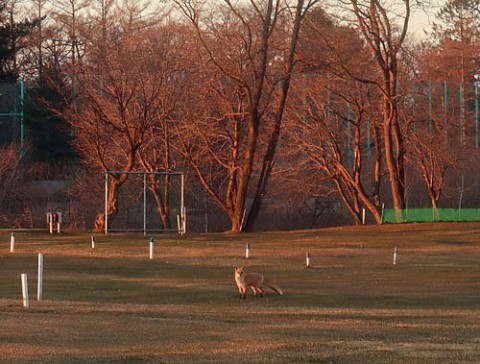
363	216
184	225
93	242
179	227
25	299
40	277
247	251
151	248
307	259
395	255
50	222
58	227
12	242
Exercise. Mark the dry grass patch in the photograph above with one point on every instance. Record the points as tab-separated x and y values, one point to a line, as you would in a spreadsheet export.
114	305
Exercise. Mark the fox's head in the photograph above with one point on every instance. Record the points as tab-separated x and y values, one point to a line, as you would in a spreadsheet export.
239	271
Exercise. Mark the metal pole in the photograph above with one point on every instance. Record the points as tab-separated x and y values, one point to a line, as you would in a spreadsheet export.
461	111
182	197
144	204
22	127
349	118
40	277
25	298
184	221
445	109
12	242
414	95
106	203
206	213
152	247
430	111
476	114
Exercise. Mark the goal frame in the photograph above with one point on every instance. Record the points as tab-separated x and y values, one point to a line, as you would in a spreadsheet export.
181	227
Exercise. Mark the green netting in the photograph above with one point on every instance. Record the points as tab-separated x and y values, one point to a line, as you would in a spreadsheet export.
430	215
11	112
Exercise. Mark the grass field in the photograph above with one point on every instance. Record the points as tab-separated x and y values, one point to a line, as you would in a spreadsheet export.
115	305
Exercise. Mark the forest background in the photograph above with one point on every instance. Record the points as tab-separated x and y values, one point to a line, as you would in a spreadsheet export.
281	114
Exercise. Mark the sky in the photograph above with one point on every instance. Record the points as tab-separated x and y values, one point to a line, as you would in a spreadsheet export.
422	19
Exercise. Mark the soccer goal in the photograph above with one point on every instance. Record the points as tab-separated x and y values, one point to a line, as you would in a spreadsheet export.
148	202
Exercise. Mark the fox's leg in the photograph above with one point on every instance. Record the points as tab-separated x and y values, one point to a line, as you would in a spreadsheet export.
256	290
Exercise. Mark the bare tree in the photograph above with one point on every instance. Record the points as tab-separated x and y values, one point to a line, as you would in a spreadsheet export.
447	67
169	85
69	14
458	35
334	119
250	52
37	51
432	161
115	104
385	30
330	137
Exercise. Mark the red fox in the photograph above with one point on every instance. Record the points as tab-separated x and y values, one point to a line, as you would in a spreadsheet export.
253	280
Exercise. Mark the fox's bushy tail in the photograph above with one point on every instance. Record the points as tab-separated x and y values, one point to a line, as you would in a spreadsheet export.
273	286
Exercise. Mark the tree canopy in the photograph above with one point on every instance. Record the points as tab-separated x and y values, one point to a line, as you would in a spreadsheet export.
258	102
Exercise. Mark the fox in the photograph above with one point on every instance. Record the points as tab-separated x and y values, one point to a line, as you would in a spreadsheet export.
253	280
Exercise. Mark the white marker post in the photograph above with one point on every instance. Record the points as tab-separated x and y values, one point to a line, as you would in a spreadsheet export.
395	255
179	227
25	299
307	259
93	242
12	242
184	221
54	218
363	216
50	222
151	248
247	251
40	277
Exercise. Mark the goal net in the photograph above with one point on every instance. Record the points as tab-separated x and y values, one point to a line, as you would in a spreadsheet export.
148	202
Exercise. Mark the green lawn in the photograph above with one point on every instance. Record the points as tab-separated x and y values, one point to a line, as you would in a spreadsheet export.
115	305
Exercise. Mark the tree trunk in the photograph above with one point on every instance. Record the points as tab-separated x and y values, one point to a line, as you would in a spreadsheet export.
161	202
269	158
392	160
112	202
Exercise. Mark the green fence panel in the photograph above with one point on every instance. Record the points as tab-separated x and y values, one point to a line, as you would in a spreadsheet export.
430	215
